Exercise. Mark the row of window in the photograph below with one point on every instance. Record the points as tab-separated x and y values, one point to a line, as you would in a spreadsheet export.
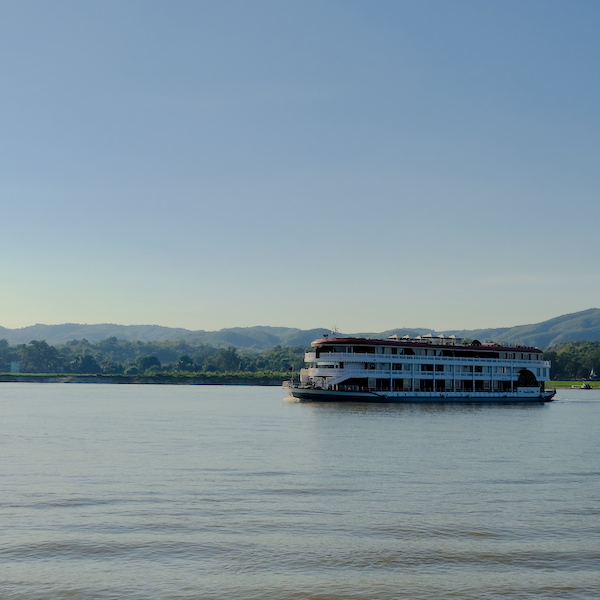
439	385
429	368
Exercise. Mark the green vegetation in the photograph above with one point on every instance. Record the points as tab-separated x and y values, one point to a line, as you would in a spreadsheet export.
122	357
183	361
574	360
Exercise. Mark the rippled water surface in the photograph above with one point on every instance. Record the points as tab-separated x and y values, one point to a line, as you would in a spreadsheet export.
181	492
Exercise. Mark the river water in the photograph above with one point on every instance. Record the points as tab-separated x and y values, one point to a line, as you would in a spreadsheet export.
207	492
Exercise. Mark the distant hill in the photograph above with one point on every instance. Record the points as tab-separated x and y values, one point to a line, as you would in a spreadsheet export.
259	338
584	325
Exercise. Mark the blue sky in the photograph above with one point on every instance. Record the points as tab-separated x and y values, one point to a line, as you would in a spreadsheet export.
365	165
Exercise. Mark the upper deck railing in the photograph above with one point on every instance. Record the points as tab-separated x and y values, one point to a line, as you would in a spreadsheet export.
395	358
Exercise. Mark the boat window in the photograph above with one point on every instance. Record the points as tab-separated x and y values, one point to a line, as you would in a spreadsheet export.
325	350
364	349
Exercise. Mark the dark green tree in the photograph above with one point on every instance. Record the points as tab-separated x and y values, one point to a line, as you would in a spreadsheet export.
39	357
147	362
7	355
227	359
85	364
185	363
111	368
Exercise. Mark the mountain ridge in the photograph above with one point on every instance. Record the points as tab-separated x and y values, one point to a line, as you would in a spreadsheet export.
582	325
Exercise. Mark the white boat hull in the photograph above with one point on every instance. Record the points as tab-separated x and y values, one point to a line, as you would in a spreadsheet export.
319	395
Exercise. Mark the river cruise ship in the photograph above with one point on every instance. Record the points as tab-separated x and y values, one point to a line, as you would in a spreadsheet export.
421	369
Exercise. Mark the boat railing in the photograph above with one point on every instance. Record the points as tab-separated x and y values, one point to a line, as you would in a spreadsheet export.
349	372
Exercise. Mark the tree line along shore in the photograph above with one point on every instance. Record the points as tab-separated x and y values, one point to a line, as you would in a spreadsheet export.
122	361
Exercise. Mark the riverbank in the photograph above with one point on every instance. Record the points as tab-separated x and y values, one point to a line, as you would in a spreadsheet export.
274	379
594	385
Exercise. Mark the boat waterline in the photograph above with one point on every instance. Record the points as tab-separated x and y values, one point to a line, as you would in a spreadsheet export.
321	395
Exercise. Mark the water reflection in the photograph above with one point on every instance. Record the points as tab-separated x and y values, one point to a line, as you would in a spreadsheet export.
400	409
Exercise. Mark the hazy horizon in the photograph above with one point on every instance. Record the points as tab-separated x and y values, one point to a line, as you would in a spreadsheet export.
280	326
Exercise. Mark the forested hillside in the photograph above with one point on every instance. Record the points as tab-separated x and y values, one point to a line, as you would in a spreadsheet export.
584	325
257	338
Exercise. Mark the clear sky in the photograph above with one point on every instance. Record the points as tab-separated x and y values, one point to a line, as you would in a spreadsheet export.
304	163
